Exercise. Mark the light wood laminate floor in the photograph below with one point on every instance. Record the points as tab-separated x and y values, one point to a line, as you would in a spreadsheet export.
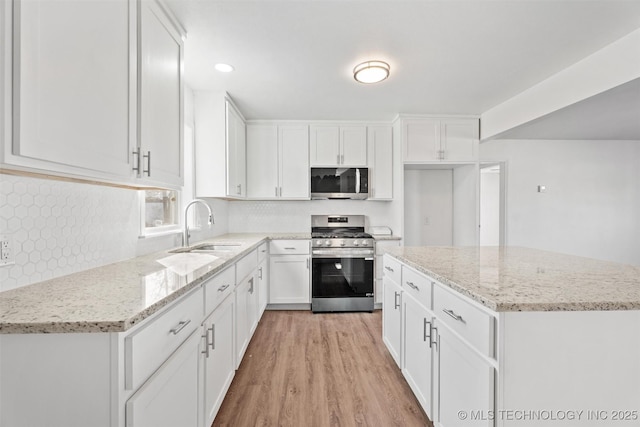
305	369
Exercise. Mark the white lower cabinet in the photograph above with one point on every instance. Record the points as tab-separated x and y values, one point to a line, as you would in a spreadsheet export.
170	397
465	383
217	358
392	318
263	286
289	265
418	351
246	315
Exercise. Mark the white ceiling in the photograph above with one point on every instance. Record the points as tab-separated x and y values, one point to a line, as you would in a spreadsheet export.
294	59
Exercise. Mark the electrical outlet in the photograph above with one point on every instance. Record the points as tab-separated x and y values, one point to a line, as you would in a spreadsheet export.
6	250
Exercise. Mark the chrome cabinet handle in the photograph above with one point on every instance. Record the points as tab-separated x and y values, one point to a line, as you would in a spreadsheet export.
424	331
307	263
206	343
251	289
338	159
148	157
454	315
260	273
137	160
386	267
395	300
276	191
180	326
280	191
290	249
223	288
434	337
342	159
239	189
412	286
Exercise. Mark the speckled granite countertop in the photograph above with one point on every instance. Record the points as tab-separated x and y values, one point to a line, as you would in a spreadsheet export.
522	279
117	296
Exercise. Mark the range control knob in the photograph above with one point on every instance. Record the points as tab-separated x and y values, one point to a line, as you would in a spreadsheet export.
343	243
356	243
327	242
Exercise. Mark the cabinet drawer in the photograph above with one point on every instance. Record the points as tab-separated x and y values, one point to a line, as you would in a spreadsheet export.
417	285
473	324
289	247
147	348
246	265
217	288
392	269
262	252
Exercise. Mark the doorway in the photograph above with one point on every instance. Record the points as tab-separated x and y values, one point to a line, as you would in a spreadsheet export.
492	204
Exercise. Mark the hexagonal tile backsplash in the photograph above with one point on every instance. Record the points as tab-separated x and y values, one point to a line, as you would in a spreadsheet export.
63	227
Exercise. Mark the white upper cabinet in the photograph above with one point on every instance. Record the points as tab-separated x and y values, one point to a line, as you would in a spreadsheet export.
161	95
426	140
338	145
277	161
72	77
220	147
97	90
380	140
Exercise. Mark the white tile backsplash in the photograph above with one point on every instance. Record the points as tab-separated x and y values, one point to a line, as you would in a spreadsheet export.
63	227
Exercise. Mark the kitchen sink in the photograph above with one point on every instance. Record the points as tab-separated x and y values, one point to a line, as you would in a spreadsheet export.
209	247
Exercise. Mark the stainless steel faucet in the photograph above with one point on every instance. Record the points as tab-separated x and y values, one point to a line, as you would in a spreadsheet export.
185	235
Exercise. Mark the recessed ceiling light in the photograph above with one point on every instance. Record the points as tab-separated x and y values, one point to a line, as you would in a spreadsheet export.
371	72
224	68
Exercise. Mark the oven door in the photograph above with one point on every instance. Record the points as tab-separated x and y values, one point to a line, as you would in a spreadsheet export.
346	276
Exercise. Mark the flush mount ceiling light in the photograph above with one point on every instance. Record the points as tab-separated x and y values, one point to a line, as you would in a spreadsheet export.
371	72
224	68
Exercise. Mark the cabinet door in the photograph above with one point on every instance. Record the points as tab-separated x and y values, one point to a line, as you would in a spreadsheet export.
161	92
170	397
72	102
460	140
392	319
353	146
243	319
289	279
466	381
236	153
218	359
294	162
325	145
418	352
421	140
263	286
380	141
262	161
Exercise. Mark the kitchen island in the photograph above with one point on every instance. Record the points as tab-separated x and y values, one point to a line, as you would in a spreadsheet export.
515	336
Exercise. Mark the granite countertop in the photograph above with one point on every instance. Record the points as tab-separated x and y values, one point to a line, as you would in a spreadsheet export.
522	279
382	237
117	296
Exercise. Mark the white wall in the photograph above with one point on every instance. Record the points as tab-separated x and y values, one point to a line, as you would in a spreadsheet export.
592	201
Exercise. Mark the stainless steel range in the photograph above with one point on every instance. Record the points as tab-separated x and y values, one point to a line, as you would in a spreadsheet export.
342	273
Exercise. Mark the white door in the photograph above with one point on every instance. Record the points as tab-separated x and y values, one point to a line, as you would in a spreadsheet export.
72	97
421	140
325	145
289	279
262	161
160	97
392	318
294	162
417	351
170	397
219	367
236	153
353	146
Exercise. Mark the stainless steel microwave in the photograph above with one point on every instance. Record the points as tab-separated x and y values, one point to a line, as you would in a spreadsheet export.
339	183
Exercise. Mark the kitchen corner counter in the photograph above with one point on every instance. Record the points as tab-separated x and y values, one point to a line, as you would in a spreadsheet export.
115	297
522	279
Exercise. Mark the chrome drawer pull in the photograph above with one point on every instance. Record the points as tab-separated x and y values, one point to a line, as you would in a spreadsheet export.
206	343
454	315
223	288
424	331
434	337
181	326
290	249
251	290
386	267
412	286
213	337
395	300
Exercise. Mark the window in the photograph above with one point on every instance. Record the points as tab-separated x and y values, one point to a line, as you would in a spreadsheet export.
160	211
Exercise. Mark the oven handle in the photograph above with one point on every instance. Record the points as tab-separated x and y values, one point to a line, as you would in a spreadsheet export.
367	255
